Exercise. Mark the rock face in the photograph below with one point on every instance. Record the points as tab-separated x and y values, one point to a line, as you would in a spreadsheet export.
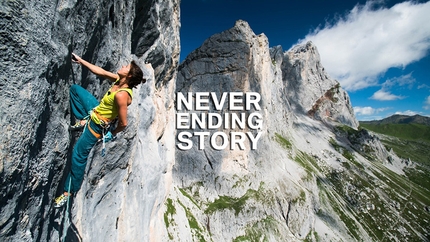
36	72
311	90
307	177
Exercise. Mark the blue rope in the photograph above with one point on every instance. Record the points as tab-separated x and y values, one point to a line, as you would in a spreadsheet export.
66	218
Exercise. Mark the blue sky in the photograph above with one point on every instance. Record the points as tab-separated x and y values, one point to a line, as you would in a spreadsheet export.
379	51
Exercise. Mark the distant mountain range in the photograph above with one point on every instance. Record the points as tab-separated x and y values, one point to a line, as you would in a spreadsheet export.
411	128
400	119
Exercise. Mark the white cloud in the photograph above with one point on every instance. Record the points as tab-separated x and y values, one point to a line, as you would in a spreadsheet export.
364	110
385	95
360	47
404	80
427	103
382	95
423	86
368	110
407	112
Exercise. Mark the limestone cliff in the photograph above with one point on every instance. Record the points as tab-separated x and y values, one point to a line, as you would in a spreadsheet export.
310	88
37	39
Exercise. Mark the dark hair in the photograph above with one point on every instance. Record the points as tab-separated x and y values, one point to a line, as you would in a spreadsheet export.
135	75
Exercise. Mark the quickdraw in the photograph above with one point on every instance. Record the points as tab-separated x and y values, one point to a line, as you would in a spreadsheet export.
105	123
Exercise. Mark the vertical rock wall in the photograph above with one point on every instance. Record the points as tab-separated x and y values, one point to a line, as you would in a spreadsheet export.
311	90
36	72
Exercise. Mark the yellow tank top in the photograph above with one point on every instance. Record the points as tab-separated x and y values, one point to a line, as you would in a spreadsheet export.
107	111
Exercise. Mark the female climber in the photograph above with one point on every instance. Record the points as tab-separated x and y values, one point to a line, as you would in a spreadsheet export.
96	118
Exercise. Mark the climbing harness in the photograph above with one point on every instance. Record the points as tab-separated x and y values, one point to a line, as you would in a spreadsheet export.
105	124
97	135
66	217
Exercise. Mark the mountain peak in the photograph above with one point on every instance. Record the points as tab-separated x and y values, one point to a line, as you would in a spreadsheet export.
243	25
311	90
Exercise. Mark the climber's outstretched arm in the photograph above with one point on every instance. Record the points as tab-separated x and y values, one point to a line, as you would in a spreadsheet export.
95	69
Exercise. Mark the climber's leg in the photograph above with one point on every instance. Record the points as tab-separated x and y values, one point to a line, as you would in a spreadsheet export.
81	101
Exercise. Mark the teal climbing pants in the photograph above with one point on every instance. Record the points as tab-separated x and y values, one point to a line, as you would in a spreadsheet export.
81	102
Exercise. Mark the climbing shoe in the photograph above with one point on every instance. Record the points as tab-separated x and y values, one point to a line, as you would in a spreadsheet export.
79	125
61	200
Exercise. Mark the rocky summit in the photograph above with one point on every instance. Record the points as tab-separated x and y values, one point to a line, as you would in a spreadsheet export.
240	142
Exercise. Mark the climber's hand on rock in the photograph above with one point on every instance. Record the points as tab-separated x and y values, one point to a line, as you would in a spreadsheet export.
76	58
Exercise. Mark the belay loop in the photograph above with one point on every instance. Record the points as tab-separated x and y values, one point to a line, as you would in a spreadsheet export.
105	129
106	124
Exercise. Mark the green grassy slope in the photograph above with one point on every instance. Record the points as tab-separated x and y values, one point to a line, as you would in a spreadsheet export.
370	197
416	132
409	141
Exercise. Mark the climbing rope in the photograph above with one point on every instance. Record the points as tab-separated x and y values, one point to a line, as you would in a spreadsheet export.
66	217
